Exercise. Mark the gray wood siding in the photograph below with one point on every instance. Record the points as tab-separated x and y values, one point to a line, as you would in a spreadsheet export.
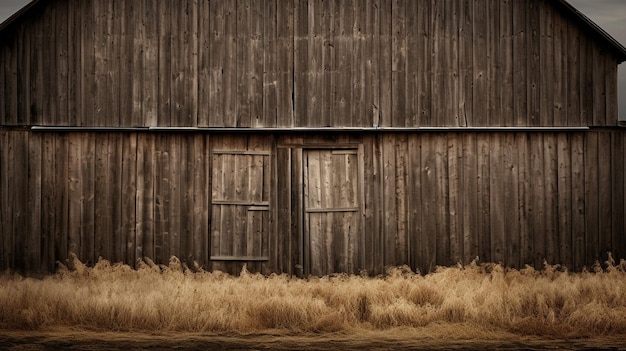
294	63
422	199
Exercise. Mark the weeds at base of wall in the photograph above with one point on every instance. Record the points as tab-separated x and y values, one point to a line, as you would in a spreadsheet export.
483	298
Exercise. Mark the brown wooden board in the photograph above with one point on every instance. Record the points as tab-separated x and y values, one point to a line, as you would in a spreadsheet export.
617	193
128	198
592	193
498	211
546	88
606	191
483	194
566	200
577	150
551	198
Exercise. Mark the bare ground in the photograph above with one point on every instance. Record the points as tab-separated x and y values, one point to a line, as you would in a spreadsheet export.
396	339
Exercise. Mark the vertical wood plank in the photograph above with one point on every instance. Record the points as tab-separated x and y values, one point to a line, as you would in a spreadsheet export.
398	64
494	69
466	63
611	78
61	31
75	179
577	153
117	241
147	68
592	192
598	85
162	199
561	69
87	230
49	74
128	196
8	199
552	193
617	194
4	193
469	183
21	212
606	191
480	92
429	203
175	188
74	72
48	221
102	201
385	63
270	74
101	94
573	75
33	246
401	144
204	63
586	93
513	209
456	197
533	48
87	64
229	79
187	189
498	210
145	200
520	65
23	91
546	52
506	79
285	19
483	209
282	236
525	199
565	200
165	55
537	226
201	199
390	223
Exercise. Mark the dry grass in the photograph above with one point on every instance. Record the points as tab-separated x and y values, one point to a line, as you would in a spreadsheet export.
482	298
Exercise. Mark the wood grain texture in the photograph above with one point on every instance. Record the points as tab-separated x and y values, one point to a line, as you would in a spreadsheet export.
304	63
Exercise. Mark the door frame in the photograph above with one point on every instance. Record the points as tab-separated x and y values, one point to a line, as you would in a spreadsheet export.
302	264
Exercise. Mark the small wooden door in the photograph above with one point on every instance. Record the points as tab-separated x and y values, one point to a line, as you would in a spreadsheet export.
240	206
331	210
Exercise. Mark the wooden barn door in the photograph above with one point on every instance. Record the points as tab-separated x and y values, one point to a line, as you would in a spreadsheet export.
331	210
240	206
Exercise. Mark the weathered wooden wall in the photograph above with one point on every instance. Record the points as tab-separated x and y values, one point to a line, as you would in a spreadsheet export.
292	63
323	203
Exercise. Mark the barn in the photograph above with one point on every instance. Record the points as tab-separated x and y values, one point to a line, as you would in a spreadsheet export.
309	137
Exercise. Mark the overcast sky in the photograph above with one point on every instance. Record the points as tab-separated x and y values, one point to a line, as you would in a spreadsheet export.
608	14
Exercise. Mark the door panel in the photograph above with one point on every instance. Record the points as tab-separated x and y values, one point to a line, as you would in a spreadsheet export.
240	205
331	210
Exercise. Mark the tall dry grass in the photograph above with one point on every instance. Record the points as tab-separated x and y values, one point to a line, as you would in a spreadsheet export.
173	298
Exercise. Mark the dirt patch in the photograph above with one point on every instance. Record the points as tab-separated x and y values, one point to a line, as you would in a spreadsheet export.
400	339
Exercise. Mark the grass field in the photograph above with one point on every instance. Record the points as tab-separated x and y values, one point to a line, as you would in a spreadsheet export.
477	301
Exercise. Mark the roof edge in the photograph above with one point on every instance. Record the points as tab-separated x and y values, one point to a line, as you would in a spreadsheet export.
619	49
18	14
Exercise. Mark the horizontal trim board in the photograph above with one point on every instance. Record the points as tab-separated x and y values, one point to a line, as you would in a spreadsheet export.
239	203
307	130
240	258
239	152
323	210
88	129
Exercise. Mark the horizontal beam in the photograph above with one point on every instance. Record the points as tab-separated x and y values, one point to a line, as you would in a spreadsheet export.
240	258
307	129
